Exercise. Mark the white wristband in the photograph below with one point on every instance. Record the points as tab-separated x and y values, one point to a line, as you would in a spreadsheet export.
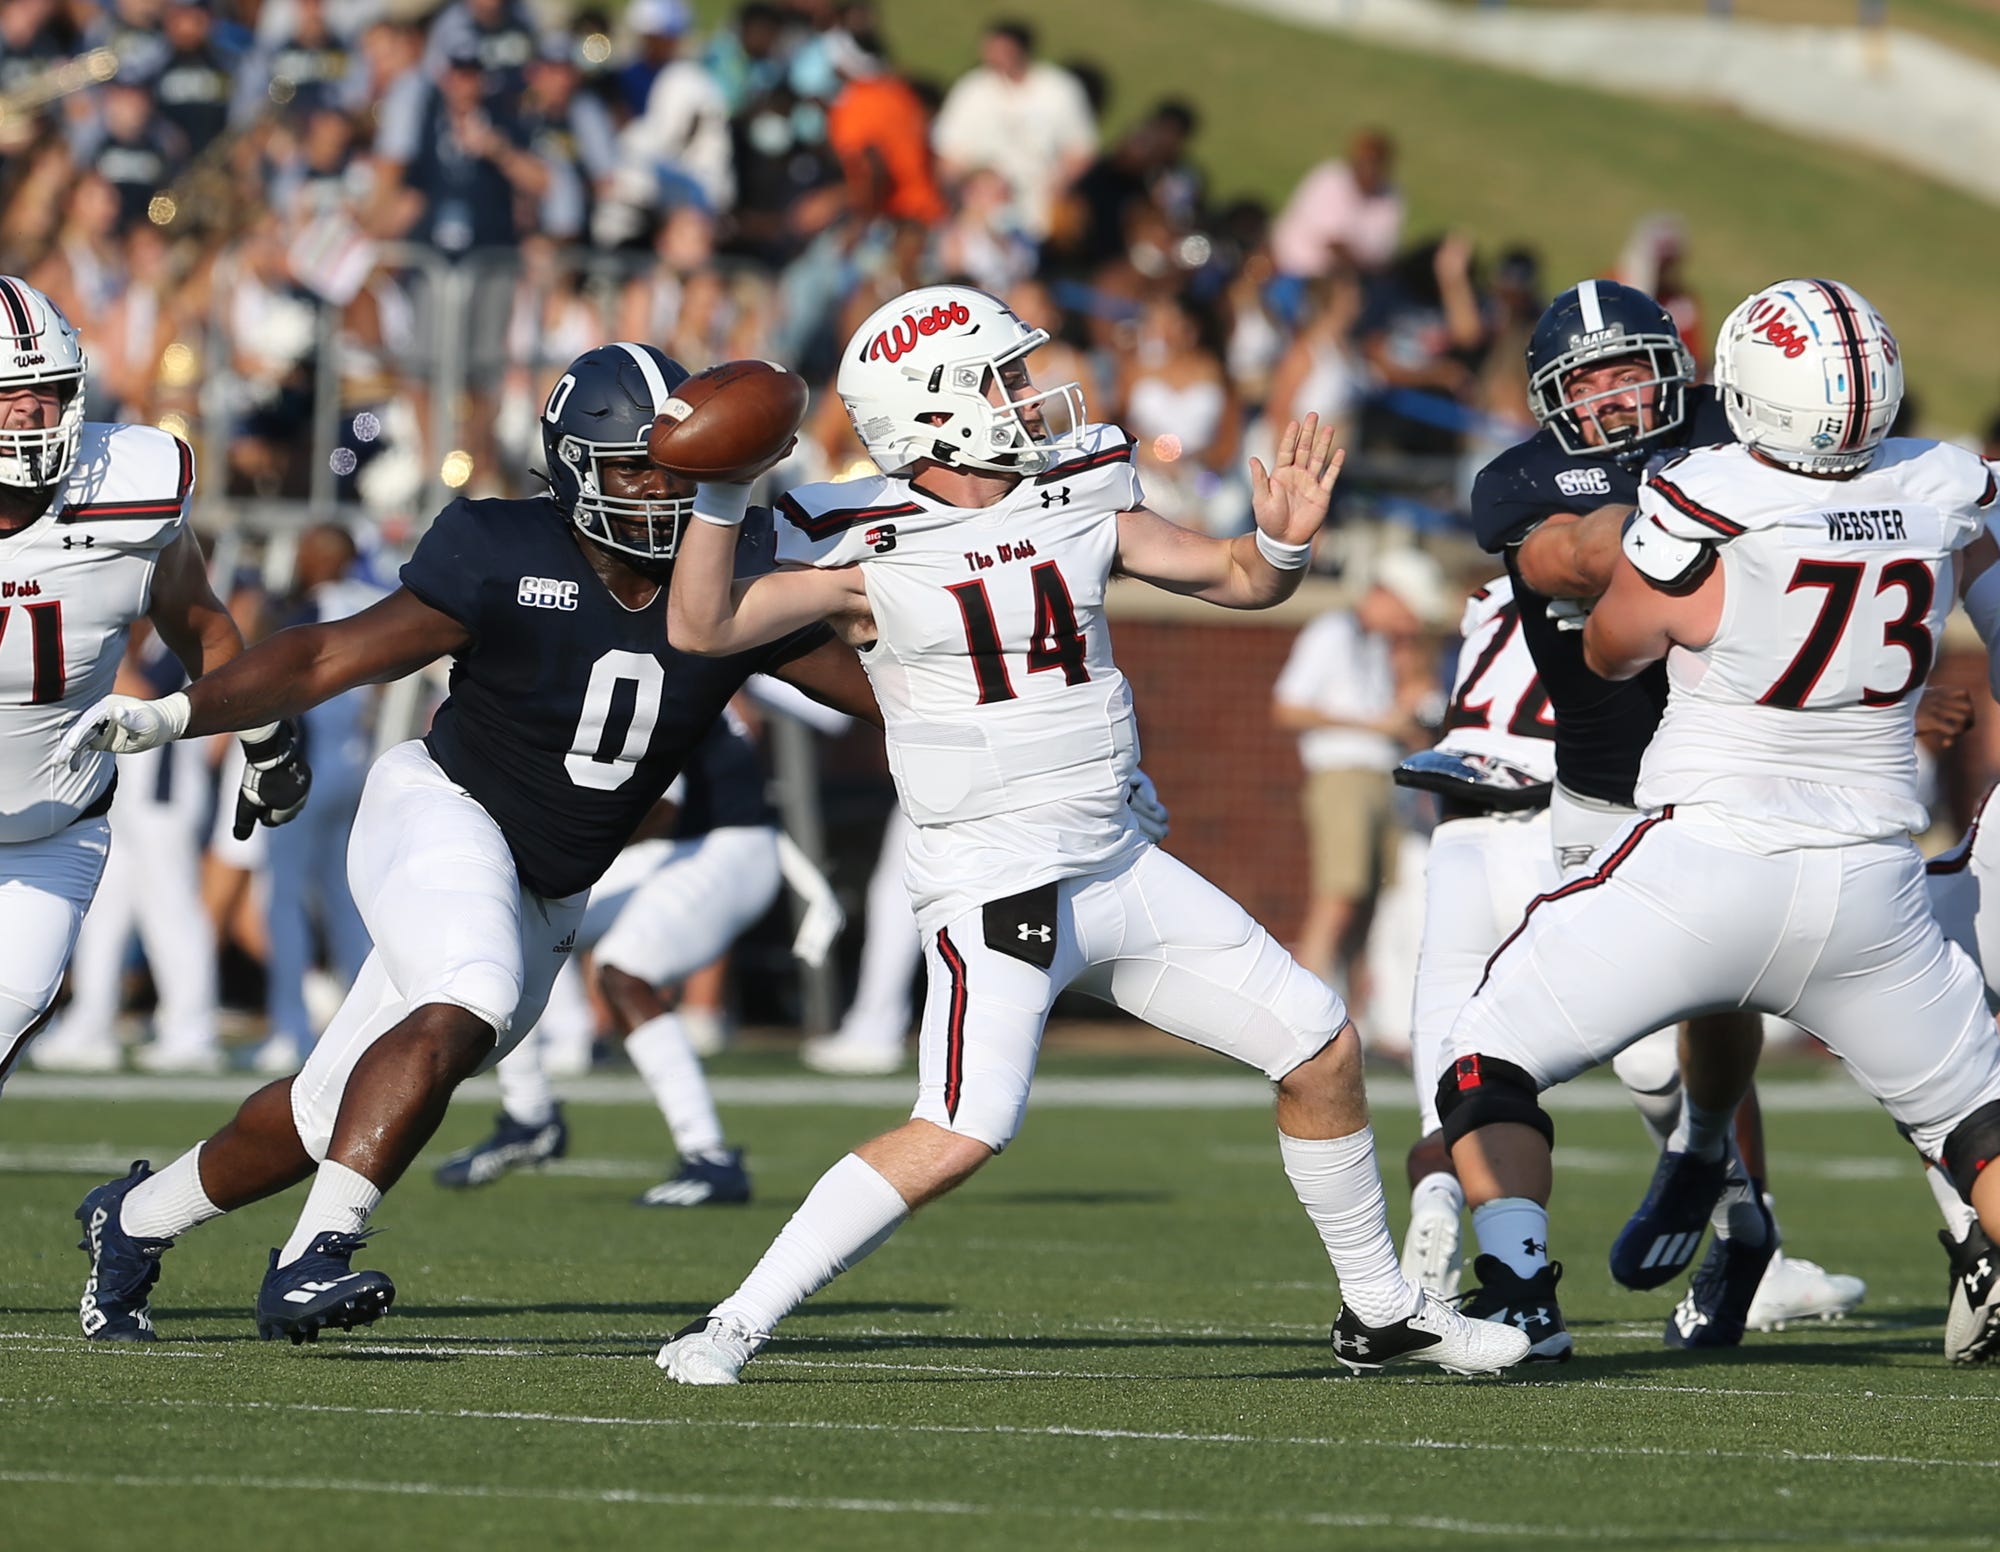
260	735
722	505
1286	557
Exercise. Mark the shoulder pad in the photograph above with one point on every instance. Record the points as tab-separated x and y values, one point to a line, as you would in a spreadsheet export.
1515	491
130	484
832	525
1100	447
1677	498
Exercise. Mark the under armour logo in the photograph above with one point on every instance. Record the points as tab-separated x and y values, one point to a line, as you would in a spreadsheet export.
1039	934
1980	1273
76	542
1054	498
1527	1318
1535	1247
1357	1345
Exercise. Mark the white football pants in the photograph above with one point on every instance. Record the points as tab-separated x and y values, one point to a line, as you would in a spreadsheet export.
45	887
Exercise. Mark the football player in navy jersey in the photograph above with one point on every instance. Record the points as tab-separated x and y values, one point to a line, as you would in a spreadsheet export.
474	848
1611	385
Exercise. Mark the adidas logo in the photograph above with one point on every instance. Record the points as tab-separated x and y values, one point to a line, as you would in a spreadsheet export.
1673	1249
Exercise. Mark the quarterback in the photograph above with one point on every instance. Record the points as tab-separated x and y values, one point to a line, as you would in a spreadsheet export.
972	576
93	536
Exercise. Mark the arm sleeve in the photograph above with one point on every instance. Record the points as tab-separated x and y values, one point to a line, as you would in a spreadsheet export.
448	569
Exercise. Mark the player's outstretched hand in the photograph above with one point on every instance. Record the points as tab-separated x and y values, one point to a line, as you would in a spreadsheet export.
1944	712
1290	499
276	779
125	724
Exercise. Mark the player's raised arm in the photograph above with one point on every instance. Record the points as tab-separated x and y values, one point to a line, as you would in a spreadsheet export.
711	614
1253	570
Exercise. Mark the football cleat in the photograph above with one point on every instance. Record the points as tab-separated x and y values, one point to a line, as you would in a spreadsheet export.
1972	1316
1660	1239
123	1267
1713	1311
513	1145
319	1290
163	1060
1433	1257
710	1351
853	1056
1528	1304
710	1180
1796	1289
1434	1333
60	1050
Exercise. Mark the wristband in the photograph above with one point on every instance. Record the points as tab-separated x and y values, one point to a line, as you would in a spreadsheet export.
722	505
251	737
1285	557
174	711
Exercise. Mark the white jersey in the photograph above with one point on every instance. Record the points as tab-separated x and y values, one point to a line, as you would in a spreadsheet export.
1796	725
1498	706
71	584
1010	729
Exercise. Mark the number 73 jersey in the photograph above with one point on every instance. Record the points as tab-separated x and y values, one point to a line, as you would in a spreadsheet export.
1796	725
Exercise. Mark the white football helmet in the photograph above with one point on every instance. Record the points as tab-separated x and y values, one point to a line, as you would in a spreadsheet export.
39	347
919	380
1810	375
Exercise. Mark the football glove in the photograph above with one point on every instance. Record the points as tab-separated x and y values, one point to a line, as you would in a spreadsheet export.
1570	614
276	779
1148	812
125	724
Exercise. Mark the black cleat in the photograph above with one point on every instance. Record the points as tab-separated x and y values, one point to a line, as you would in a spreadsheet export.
318	1291
1661	1237
512	1145
1972	1316
1528	1304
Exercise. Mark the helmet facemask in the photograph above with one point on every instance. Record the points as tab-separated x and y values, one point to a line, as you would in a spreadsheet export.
1669	368
646	528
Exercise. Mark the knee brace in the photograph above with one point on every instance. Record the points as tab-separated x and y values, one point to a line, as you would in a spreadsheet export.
1973	1144
1478	1091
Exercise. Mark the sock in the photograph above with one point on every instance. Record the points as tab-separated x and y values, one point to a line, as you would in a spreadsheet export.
1958	1214
1441	1189
524	1084
848	1214
1340	1187
1741	1212
168	1203
659	1049
340	1199
1516	1231
1704	1133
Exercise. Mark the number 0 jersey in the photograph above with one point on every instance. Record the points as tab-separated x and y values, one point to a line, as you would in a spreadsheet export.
71	584
569	713
1010	729
1795	726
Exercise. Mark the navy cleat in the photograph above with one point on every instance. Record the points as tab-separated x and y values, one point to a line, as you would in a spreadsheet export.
1660	1239
707	1180
1716	1307
1972	1311
1528	1304
123	1267
513	1145
319	1290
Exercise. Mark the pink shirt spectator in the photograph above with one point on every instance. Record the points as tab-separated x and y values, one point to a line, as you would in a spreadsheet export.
1341	210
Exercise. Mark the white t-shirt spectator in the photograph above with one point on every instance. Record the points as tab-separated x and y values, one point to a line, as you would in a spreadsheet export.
1328	207
1338	670
685	127
1037	133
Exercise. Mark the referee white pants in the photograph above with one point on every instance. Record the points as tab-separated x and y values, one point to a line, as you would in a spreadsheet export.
436	886
45	887
1674	919
1152	936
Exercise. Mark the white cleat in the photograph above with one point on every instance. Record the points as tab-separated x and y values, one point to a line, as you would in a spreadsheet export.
1796	1289
59	1051
1432	1250
853	1056
711	1351
161	1059
1437	1334
277	1057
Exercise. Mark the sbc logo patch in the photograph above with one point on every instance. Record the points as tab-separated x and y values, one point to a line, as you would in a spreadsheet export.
1583	482
546	593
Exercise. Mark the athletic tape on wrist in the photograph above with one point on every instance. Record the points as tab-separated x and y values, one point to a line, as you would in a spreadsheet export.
722	505
1286	557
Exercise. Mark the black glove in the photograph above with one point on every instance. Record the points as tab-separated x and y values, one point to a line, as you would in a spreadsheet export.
276	780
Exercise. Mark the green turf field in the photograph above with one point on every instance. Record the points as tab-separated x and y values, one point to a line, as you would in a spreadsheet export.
1114	1338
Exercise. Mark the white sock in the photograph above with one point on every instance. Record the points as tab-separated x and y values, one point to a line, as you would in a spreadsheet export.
1704	1133
170	1202
1340	1187
1441	1189
1958	1214
1740	1212
524	1084
1516	1230
340	1199
659	1049
847	1215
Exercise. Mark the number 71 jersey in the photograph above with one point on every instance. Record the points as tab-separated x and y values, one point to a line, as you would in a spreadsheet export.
992	660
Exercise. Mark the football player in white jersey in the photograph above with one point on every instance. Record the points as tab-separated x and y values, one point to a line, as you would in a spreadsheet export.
972	575
93	535
1795	584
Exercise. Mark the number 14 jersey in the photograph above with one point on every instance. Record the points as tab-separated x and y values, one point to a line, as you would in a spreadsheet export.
1010	729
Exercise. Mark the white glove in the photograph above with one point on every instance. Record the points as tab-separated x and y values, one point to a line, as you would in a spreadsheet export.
124	724
1569	614
822	919
1148	812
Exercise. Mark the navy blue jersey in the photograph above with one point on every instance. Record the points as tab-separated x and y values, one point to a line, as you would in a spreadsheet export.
1602	725
725	784
569	714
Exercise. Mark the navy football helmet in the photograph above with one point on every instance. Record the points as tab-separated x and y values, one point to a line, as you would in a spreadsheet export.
598	413
1596	322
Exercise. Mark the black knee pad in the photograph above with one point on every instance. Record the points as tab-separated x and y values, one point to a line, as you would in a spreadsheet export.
1973	1144
1478	1091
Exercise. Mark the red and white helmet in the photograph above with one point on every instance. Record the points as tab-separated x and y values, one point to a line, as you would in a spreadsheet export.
1810	375
39	347
917	380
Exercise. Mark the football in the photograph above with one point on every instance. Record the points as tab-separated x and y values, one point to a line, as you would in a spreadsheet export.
729	421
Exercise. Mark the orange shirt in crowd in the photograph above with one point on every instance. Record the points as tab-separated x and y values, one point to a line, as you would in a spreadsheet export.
880	130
